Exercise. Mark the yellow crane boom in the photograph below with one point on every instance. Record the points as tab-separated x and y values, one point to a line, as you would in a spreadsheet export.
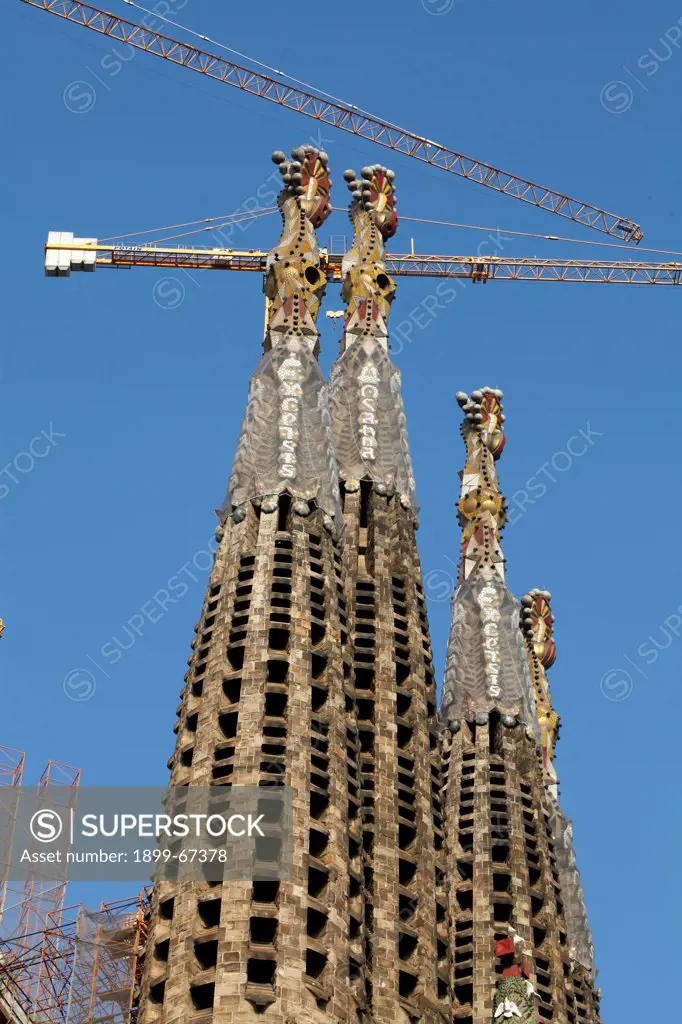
340	115
64	253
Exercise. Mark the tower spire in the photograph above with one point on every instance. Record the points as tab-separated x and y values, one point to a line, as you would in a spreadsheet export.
520	927
367	288
294	284
365	387
404	951
267	700
285	444
486	666
537	625
482	510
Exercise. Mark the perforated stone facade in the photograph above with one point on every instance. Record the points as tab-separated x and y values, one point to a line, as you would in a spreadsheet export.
428	879
267	703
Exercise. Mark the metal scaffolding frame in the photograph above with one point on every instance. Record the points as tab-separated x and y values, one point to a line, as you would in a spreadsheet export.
109	945
92	960
11	773
31	965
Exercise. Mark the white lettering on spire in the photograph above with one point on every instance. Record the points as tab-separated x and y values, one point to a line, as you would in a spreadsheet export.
487	600
291	374
367	416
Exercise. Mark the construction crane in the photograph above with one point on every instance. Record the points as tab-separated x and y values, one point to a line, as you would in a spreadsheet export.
331	111
64	253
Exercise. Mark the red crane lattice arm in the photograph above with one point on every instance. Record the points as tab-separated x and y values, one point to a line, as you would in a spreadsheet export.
338	115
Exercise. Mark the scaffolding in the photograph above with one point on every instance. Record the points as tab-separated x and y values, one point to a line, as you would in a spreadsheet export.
35	944
42	902
29	957
92	958
11	773
62	965
108	955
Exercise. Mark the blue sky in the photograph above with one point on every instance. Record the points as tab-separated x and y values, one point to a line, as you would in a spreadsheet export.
144	402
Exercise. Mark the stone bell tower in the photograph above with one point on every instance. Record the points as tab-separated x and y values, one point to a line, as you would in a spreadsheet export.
519	936
268	697
403	942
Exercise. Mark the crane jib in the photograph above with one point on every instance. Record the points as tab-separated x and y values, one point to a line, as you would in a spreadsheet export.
65	253
346	117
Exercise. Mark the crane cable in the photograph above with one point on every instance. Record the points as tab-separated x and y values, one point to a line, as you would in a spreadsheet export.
215	227
255	214
532	234
238	215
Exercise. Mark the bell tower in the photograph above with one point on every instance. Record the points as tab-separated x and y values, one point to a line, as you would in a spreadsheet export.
518	921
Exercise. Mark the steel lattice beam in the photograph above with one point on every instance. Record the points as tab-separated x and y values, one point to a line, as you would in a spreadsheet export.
346	118
473	268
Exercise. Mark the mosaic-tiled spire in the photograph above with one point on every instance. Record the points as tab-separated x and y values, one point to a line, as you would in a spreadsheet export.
285	443
482	511
519	930
365	387
367	288
294	283
486	665
537	624
268	696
